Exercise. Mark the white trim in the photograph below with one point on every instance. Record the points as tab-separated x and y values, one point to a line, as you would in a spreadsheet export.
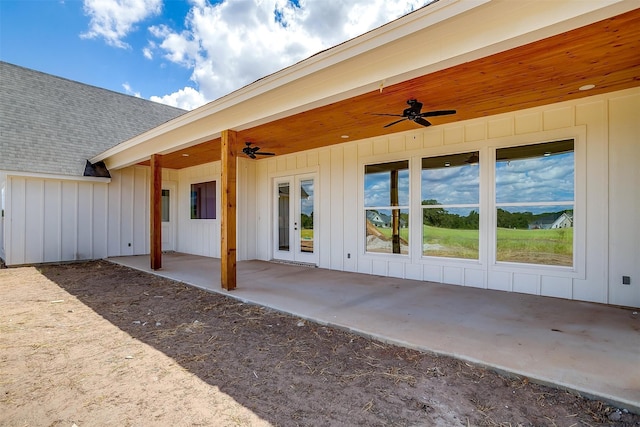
487	206
295	254
578	270
172	187
59	177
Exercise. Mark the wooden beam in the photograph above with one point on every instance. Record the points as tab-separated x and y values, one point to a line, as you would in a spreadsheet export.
155	207
228	214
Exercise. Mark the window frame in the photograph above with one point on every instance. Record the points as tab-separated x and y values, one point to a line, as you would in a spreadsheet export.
536	204
578	270
407	207
471	206
486	262
211	185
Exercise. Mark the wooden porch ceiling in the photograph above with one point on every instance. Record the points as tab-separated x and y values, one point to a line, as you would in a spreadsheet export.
606	54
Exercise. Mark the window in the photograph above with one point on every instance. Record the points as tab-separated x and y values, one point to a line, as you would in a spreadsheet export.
203	200
386	201
534	203
165	206
450	187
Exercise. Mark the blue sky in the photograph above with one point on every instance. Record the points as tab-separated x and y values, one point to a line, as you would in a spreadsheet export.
540	179
182	53
530	180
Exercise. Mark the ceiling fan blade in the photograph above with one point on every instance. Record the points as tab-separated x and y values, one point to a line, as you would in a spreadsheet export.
252	155
266	154
393	123
421	121
385	114
437	113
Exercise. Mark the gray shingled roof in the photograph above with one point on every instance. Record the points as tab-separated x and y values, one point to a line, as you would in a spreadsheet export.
52	125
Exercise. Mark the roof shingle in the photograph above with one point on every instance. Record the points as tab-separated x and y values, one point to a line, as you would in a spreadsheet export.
49	124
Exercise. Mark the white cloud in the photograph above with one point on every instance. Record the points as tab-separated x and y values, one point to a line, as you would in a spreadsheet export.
187	99
234	42
454	185
114	19
544	179
129	91
148	50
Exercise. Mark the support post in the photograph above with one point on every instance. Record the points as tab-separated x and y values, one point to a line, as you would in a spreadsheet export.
228	220
155	207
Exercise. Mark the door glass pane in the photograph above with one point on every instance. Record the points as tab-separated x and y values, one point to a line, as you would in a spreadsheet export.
165	205
306	216
283	217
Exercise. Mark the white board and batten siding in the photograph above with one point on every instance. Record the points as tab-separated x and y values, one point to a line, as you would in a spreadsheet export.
624	197
72	219
3	186
57	218
52	219
607	133
198	236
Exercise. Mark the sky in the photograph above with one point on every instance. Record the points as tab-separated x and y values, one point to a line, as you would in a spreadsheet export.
539	179
181	53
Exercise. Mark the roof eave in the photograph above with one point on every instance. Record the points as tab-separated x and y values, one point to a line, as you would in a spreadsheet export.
434	13
228	112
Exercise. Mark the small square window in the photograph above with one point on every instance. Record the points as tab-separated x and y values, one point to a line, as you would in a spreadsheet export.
203	200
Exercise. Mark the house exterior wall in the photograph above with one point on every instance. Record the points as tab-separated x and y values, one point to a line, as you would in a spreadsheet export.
52	219
55	218
606	132
624	198
3	185
62	219
198	236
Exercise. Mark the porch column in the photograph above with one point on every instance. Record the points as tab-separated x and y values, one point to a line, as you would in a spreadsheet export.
228	214
155	207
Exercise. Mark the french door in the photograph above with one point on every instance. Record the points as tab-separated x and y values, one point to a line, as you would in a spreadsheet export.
295	229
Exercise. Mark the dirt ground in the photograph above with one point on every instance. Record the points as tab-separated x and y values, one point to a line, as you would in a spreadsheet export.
96	344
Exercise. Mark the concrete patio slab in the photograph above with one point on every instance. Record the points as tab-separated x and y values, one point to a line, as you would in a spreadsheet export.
592	349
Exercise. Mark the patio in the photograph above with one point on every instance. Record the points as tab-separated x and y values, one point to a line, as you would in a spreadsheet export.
592	349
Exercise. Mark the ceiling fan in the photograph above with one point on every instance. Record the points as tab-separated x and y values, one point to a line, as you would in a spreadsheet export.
252	152
413	113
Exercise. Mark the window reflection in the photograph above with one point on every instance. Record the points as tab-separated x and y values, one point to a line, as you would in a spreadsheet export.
535	203
450	188
386	196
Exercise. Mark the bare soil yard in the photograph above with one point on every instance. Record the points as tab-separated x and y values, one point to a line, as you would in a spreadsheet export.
93	344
